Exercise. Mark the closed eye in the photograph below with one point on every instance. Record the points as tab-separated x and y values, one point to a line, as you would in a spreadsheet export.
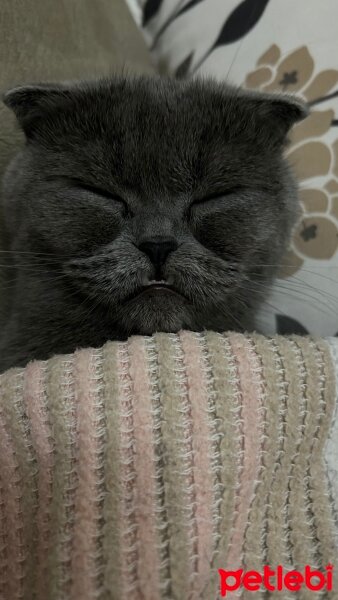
219	195
97	191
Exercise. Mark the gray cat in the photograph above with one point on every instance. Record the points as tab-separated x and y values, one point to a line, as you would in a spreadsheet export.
141	205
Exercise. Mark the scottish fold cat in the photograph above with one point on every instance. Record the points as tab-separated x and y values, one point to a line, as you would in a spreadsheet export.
143	204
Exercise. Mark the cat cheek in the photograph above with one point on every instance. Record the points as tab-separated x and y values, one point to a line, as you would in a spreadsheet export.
97	232
224	234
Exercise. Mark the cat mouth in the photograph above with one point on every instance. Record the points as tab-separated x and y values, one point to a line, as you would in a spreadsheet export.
155	288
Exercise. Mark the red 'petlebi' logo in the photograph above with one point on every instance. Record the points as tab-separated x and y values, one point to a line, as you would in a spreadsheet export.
276	580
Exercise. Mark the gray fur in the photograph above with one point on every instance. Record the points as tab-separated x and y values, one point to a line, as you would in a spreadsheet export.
197	162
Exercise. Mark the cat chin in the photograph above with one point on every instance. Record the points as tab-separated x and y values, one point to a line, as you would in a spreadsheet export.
146	315
158	297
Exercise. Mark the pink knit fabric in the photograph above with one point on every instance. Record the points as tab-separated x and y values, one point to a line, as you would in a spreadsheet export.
86	507
12	518
129	553
139	469
34	401
148	567
197	390
248	366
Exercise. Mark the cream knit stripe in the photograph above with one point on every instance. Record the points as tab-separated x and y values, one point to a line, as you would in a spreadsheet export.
331	457
112	503
250	385
198	395
256	544
101	446
17	423
87	492
60	398
148	563
323	515
321	392
331	449
176	432
228	422
12	575
161	516
216	467
3	539
311	425
312	449
12	494
276	542
252	553
323	498
298	532
187	464
129	548
35	405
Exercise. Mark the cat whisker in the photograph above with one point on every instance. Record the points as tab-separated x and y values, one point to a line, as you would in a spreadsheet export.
310	271
31	268
305	297
298	295
51	254
298	283
288	265
301	283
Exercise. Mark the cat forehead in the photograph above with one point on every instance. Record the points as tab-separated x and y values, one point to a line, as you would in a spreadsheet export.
144	104
153	100
159	92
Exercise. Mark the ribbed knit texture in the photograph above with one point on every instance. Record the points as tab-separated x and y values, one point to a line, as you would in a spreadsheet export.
331	449
137	470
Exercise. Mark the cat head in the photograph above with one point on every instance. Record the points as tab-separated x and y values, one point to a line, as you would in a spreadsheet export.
127	181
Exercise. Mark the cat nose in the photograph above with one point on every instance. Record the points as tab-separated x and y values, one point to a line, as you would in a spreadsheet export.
158	249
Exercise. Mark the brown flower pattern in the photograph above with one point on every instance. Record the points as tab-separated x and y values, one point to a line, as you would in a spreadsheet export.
309	152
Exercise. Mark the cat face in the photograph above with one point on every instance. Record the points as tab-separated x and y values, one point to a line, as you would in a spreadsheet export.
126	182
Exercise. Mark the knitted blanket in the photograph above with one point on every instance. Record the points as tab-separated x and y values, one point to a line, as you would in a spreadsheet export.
149	469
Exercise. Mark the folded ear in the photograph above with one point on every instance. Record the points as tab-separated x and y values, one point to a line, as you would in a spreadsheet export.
30	103
278	112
